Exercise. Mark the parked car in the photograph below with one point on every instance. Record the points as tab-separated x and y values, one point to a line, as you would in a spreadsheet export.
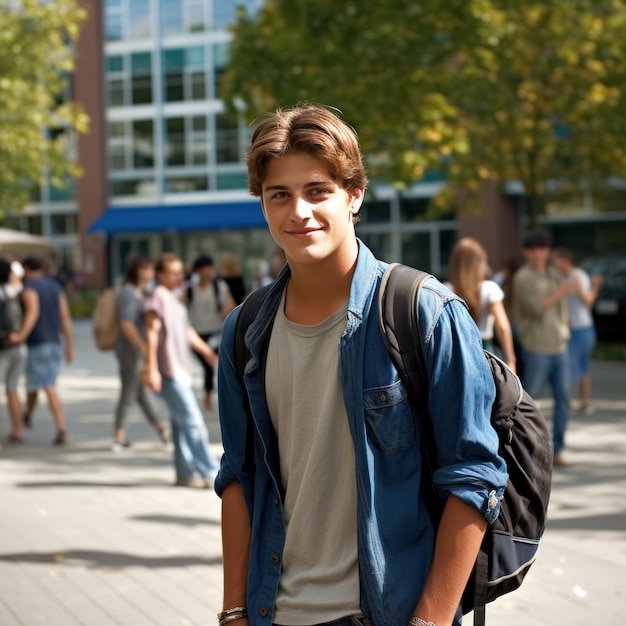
609	310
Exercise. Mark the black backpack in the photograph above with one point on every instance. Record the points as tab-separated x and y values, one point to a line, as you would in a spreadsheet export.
11	316
511	543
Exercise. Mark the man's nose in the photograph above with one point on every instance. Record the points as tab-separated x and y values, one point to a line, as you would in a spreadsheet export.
301	208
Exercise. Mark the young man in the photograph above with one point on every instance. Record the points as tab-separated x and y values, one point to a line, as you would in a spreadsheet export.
47	317
209	301
541	317
169	339
331	527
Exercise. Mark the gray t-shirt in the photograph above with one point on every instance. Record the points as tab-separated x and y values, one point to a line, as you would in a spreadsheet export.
320	562
173	353
130	307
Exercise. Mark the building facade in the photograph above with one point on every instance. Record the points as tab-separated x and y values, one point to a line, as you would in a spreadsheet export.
164	162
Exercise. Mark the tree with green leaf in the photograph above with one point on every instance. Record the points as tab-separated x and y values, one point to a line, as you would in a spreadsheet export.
36	61
485	91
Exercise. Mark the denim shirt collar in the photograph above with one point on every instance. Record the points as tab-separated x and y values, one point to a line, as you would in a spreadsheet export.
361	294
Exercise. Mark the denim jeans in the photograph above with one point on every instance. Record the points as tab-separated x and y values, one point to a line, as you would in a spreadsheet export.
581	346
192	453
554	369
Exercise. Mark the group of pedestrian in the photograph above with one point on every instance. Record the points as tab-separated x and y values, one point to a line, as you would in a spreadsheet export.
35	318
548	309
162	324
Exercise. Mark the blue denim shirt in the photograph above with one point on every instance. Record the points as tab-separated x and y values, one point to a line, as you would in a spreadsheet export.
395	532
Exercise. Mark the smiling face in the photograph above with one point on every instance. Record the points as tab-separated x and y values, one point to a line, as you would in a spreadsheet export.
308	213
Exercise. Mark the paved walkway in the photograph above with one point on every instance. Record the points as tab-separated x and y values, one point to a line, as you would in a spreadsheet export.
91	537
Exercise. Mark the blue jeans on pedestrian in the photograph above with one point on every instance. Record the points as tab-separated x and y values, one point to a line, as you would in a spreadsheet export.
581	346
192	454
554	369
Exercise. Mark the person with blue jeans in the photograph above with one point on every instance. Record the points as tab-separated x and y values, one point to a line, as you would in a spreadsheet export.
542	322
169	339
583	332
47	317
331	526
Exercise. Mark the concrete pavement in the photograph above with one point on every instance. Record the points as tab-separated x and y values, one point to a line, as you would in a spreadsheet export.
88	536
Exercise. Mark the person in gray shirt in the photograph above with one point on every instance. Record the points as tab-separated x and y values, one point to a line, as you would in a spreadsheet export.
131	352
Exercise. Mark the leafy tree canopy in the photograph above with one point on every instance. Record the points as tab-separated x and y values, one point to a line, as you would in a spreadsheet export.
481	90
35	63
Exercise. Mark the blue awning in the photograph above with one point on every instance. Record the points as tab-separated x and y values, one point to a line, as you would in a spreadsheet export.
180	218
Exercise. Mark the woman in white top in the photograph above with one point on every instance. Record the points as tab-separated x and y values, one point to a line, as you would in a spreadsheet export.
485	299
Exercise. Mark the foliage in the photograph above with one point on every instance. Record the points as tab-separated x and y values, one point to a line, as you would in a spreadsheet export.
482	90
36	58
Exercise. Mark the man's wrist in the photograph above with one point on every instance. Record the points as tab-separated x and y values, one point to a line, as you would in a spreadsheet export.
232	615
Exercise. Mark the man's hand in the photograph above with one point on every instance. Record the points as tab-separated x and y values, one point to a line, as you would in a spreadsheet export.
69	354
151	378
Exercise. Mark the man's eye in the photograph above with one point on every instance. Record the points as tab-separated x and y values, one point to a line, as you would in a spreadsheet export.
320	191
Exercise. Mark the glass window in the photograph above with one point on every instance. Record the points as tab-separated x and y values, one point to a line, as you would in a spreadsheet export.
199	144
221	56
227	140
141	78
187	184
139	18
113	27
34	224
181	82
133	187
225	11
175	141
198	86
413	209
195	16
115	63
143	144
116	92
376	212
232	180
416	250
171	16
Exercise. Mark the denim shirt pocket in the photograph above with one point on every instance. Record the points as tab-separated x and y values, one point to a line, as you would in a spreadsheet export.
389	417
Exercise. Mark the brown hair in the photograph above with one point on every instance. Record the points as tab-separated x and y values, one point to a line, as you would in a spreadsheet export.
309	128
467	271
134	265
164	260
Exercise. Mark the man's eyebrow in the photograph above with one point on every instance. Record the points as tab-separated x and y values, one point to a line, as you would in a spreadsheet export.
313	183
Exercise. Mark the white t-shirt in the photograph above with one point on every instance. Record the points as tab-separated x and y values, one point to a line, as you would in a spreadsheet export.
579	313
490	292
204	313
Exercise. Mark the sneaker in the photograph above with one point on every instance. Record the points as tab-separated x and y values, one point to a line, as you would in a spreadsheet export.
60	439
586	410
27	420
190	481
165	436
119	446
14	440
561	461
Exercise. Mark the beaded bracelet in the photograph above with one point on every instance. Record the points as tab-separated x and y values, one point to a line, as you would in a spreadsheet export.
231	615
418	621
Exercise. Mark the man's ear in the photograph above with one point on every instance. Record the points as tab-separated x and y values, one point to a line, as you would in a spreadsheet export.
357	197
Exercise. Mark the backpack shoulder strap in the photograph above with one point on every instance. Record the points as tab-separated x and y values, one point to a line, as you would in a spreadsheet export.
398	319
247	314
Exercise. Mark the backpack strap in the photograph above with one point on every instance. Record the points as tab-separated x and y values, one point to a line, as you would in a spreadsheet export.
398	318
249	310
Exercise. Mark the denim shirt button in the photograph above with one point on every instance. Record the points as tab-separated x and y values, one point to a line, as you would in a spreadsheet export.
263	612
276	502
493	500
383	397
275	558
